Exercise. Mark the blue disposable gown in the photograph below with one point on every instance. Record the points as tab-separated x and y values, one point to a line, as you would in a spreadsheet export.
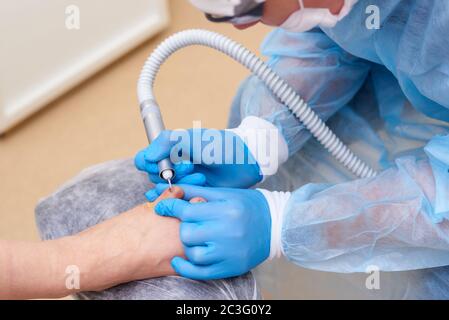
385	93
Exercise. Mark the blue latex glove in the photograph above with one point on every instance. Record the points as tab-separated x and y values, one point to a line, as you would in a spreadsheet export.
194	170
225	237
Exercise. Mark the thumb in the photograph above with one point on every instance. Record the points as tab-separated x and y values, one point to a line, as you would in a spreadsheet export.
175	208
160	147
139	160
176	143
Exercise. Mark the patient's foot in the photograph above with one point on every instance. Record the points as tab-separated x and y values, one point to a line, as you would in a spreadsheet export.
100	194
140	240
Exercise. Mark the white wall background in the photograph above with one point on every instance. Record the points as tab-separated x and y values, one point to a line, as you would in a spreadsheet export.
40	58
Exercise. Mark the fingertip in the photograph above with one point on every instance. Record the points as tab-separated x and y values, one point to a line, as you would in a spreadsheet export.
183	267
161	187
170	207
174	207
161	208
175	262
189	270
139	160
151	195
151	153
159	148
148	152
154	177
152	167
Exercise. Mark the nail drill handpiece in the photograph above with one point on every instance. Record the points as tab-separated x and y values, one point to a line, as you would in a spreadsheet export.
154	125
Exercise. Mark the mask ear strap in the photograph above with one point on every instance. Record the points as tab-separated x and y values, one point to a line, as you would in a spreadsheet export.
301	4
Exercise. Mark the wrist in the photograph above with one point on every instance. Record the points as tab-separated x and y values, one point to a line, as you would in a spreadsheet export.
277	201
265	142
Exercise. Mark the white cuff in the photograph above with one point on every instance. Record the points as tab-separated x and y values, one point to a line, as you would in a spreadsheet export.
265	142
277	201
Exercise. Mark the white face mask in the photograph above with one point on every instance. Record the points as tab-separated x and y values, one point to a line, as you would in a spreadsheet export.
308	18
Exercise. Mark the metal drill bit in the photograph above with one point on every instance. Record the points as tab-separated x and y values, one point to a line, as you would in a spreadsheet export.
169	184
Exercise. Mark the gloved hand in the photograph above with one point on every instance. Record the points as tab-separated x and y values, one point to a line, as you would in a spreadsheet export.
225	237
199	166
